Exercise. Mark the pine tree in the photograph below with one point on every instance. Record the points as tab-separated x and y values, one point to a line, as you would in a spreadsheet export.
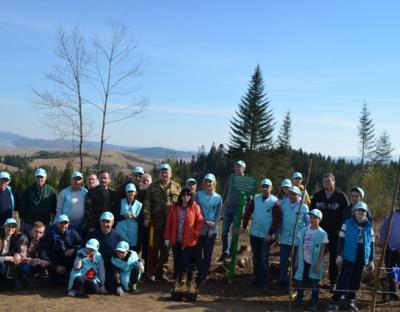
285	132
253	125
383	149
65	179
366	133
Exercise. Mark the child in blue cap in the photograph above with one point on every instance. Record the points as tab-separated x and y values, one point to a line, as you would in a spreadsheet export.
88	274
127	268
312	241
355	252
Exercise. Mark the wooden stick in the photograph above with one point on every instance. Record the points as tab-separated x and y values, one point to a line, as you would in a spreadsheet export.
385	242
294	235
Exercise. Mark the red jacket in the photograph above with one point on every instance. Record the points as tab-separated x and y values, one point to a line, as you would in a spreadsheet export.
192	225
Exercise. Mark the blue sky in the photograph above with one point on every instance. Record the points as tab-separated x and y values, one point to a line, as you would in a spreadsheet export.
319	59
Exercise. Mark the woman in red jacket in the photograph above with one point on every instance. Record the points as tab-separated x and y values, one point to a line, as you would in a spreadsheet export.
182	231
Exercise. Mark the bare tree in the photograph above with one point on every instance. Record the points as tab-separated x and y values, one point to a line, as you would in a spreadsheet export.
114	70
64	102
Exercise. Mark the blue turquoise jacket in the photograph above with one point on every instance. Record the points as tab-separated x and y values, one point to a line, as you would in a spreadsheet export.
85	265
288	220
262	215
128	228
348	244
319	236
125	267
210	206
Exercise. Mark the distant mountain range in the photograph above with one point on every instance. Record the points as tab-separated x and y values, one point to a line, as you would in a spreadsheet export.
9	140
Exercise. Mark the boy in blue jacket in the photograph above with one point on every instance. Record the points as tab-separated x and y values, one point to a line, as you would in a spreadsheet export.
126	268
355	251
312	241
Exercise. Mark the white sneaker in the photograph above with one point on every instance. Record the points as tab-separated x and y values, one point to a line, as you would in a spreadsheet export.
153	278
72	293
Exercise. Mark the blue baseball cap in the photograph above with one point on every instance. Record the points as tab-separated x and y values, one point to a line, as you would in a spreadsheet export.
10	221
191	181
40	172
61	218
266	182
297	175
164	167
360	206
286	183
209	176
122	246
76	174
93	244
317	213
106	215
5	175
358	190
138	170
241	163
130	187
295	189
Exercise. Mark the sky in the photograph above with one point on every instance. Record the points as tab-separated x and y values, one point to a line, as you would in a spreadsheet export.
320	60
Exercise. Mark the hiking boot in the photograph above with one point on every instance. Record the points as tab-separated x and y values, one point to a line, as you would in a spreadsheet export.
223	257
298	302
72	293
313	308
332	306
134	289
351	305
17	284
253	282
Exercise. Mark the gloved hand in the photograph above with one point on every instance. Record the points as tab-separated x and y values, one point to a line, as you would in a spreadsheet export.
166	242
339	260
141	266
370	266
103	290
120	291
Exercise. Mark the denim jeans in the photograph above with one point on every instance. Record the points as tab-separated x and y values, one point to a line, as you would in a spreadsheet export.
260	250
183	260
229	219
306	281
284	255
206	247
349	279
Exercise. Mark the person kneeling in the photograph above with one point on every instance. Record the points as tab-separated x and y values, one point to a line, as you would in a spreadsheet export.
87	275
126	268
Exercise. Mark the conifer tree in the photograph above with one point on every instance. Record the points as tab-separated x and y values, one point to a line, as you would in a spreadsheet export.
383	149
366	131
252	127
285	132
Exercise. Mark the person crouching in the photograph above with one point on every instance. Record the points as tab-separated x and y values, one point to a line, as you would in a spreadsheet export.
182	230
127	268
87	275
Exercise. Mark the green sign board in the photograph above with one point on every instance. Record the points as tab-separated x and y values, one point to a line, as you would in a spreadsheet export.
244	184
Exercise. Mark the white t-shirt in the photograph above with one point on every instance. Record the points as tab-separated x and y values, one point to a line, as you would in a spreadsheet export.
77	211
307	244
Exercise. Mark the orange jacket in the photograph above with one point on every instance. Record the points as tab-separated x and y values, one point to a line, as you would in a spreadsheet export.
192	225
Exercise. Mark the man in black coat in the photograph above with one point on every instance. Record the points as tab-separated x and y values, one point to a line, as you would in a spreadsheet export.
333	204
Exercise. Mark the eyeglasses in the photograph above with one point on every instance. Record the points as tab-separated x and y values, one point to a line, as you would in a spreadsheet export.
186	194
265	186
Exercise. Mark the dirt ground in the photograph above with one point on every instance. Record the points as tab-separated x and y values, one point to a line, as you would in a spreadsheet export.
217	295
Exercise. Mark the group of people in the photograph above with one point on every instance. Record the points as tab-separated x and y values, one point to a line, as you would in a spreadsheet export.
94	239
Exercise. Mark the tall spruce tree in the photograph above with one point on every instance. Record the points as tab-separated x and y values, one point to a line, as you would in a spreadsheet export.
253	125
383	149
366	132
285	132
